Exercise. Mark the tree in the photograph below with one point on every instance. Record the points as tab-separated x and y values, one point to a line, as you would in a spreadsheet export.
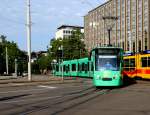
73	47
44	63
13	53
1	60
53	50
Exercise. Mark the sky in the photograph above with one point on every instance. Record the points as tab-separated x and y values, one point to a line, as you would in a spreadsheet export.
47	15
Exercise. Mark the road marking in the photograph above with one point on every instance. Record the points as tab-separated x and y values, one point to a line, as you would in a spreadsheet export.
42	87
21	91
16	84
48	87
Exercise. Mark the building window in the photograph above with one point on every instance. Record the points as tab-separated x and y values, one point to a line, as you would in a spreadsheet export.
123	45
133	46
128	46
140	46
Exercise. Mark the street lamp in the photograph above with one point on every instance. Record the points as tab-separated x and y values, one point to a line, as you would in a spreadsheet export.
109	29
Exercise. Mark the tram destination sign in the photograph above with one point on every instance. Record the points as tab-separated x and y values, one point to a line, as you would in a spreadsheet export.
109	51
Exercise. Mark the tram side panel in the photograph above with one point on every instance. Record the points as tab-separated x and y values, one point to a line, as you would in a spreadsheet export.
137	66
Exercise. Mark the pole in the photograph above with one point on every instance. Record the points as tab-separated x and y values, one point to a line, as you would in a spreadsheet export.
110	28
7	61
29	39
109	36
62	66
16	67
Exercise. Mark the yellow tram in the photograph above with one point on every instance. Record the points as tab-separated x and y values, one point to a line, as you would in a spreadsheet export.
137	65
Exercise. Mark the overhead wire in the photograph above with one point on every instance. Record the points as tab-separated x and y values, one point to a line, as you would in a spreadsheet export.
87	2
11	20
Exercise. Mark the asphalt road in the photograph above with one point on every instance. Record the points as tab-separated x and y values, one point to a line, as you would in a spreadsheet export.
75	99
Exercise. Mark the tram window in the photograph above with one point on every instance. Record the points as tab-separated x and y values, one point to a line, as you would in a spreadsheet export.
148	61
126	63
92	67
83	66
144	62
64	68
57	68
73	67
132	63
79	67
68	68
88	66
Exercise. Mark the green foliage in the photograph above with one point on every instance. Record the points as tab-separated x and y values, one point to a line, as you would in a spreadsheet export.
35	68
54	49
44	63
73	47
13	53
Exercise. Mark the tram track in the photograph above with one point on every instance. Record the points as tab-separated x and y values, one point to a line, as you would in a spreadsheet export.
68	102
34	102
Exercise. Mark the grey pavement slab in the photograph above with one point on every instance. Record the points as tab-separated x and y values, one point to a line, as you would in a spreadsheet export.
36	79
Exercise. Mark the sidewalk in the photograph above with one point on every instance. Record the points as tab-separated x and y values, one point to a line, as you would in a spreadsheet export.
36	79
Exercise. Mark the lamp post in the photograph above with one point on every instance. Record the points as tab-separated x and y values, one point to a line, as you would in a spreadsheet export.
109	29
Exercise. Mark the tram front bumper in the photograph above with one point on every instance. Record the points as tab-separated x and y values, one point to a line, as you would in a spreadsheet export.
107	82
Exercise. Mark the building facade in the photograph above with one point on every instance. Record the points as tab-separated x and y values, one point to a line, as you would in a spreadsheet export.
129	30
65	31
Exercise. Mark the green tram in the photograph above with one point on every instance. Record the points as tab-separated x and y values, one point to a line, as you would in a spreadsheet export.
104	66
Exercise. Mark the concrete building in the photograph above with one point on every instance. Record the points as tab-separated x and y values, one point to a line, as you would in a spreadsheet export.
65	31
130	30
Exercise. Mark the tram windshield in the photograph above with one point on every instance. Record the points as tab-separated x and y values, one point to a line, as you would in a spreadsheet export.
107	62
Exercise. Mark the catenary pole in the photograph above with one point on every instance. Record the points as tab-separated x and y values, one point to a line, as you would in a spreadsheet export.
16	68
7	61
29	39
